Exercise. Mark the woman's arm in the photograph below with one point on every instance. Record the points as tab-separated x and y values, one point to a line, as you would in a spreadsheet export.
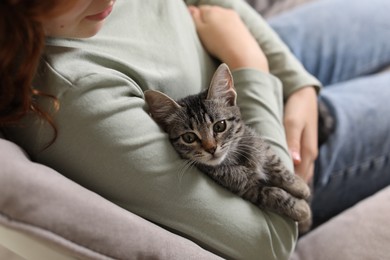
282	62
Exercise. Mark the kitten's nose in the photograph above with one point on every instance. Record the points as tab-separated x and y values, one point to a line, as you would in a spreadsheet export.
209	145
211	149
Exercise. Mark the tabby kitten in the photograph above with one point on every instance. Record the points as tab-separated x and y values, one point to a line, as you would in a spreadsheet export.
207	129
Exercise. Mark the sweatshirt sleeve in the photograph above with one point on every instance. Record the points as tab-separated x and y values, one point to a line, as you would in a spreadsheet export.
259	96
282	62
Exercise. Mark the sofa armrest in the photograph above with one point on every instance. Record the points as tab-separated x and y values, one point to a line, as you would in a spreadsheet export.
29	247
41	203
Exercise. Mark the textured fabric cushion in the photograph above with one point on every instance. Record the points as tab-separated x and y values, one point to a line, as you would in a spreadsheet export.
359	233
39	201
270	8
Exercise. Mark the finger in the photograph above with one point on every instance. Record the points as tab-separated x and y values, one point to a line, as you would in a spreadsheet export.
200	13
294	136
310	173
307	173
206	10
309	153
196	15
305	169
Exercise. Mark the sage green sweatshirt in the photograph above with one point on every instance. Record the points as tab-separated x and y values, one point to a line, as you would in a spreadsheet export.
108	143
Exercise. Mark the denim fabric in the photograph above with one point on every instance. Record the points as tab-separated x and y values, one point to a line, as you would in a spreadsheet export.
346	45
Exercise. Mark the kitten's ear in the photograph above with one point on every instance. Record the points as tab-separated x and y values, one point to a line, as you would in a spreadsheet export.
222	86
160	105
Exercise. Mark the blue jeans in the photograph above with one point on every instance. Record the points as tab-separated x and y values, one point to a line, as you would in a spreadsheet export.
346	45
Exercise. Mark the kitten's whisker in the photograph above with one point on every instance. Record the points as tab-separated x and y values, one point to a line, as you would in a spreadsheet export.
240	152
250	148
184	168
187	164
237	153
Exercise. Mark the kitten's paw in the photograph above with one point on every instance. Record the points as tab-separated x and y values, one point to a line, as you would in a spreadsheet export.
304	192
300	189
304	226
301	211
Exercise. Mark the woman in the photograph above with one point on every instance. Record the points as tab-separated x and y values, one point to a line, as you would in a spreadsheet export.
106	141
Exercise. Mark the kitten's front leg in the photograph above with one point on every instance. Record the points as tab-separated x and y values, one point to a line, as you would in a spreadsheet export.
281	177
247	184
280	201
238	179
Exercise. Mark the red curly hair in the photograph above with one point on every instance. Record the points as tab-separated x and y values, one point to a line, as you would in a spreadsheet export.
22	40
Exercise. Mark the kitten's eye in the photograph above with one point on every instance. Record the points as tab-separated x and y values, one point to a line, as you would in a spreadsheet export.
220	126
189	137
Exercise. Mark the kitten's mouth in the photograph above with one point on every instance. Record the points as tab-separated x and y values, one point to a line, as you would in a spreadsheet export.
215	159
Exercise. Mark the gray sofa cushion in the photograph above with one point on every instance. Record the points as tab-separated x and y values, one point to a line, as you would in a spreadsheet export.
270	8
360	233
39	201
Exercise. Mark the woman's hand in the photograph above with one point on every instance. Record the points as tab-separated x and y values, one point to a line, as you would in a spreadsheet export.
226	37
300	122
